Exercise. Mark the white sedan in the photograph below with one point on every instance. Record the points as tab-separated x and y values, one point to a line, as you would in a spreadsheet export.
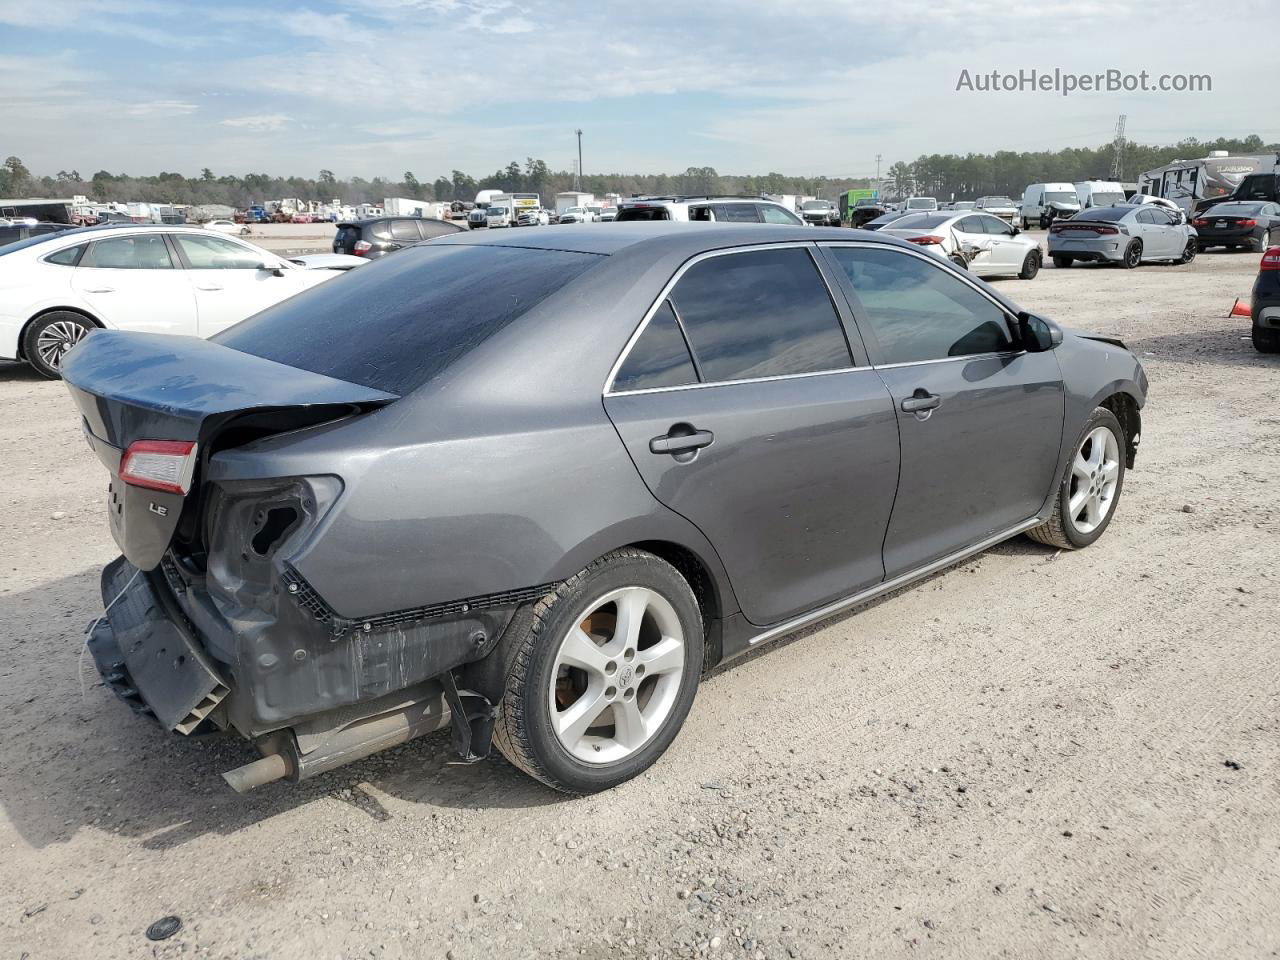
979	242
57	288
227	226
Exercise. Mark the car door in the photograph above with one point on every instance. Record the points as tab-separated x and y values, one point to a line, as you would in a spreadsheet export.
979	247
744	410
1006	250
980	419
229	281
131	282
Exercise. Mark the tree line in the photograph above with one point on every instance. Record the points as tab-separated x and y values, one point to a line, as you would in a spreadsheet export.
945	176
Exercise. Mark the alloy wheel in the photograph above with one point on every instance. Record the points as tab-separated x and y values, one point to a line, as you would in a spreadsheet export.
57	338
1095	472
617	675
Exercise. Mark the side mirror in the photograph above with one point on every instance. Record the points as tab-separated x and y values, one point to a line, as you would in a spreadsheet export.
273	268
1037	334
1017	230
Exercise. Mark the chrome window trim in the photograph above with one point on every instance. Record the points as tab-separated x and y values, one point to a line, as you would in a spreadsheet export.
807	245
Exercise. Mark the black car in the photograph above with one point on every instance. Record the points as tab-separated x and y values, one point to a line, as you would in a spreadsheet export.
16	232
382	235
1266	303
864	211
1239	225
884	219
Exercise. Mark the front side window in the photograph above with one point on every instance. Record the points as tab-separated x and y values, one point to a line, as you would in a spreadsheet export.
917	311
770	213
144	252
995	228
215	253
762	313
659	358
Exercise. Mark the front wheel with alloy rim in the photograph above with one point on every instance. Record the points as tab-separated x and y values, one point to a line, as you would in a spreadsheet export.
1132	255
47	340
1189	251
1086	499
602	674
1030	266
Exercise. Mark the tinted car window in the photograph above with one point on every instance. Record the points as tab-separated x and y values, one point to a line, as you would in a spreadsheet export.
917	311
380	230
643	213
994	227
215	253
1146	216
763	313
68	257
405	230
659	358
737	213
971	225
1105	213
395	326
143	252
437	228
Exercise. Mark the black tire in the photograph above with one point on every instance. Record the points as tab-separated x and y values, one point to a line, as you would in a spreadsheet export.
524	731
1060	530
1266	341
1062	262
958	261
1189	251
58	320
1030	265
1132	255
1263	243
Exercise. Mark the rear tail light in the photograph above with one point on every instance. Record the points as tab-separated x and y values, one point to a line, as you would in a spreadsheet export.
1246	223
928	241
1076	227
1199	222
1271	260
361	248
165	465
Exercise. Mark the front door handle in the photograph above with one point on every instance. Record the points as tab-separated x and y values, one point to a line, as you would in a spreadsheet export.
921	401
208	286
682	440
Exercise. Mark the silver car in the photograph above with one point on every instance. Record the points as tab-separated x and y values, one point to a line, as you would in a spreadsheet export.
1125	234
978	242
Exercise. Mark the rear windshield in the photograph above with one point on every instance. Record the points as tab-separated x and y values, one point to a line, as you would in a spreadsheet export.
396	323
1106	213
643	213
1234	209
922	221
1105	199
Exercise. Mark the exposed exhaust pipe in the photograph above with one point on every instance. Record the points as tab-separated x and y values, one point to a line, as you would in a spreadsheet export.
342	745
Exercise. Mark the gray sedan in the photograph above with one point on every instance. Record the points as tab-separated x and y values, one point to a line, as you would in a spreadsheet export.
1127	234
536	486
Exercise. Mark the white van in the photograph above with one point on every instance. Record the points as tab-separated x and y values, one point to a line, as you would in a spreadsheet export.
1041	198
1099	193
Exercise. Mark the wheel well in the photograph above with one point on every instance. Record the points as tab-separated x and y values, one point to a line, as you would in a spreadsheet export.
1126	410
44	313
691	567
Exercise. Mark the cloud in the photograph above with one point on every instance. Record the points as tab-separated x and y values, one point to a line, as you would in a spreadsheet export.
162	108
261	122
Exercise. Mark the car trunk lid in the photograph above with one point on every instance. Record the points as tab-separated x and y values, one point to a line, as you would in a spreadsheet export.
155	408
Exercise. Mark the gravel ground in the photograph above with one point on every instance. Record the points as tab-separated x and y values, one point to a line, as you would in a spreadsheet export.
1032	754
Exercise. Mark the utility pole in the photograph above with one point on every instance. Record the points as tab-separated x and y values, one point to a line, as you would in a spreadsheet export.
877	170
577	180
1117	150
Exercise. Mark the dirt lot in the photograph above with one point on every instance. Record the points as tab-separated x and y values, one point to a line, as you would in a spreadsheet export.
1031	755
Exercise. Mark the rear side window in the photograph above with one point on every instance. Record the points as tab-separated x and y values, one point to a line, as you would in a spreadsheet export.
66	258
436	228
737	213
659	358
762	313
395	324
140	252
918	311
770	213
405	230
381	231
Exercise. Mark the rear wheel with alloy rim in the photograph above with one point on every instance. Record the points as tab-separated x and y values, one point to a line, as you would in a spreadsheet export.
1087	497
603	674
1263	243
1132	255
48	339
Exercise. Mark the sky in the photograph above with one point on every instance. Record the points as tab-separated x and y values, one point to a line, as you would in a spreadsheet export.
803	87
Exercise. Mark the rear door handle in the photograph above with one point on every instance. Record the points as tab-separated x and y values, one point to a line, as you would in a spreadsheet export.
208	286
681	442
920	401
99	289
